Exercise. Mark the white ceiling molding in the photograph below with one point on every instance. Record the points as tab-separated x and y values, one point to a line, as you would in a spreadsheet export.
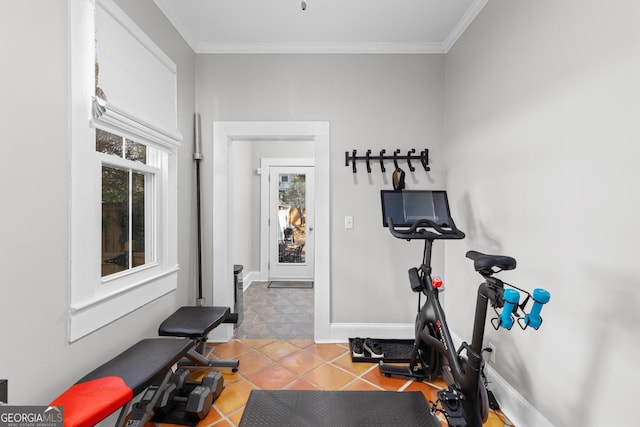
464	23
327	48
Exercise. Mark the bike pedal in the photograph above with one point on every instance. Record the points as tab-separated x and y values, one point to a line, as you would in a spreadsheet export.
448	394
450	401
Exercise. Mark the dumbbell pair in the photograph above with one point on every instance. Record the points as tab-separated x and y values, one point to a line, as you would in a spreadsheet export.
197	401
511	299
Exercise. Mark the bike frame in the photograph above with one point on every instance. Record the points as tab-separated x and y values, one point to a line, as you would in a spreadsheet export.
465	401
466	375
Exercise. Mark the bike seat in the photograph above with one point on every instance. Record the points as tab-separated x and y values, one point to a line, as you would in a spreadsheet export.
484	262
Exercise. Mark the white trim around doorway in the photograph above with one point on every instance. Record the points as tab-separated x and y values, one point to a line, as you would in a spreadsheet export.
224	133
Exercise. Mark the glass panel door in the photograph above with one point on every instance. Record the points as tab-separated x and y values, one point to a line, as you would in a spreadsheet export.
291	218
291	223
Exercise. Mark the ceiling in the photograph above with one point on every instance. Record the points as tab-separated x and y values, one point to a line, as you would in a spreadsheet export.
326	26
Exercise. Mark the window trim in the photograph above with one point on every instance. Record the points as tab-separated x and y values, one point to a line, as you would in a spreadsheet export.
94	303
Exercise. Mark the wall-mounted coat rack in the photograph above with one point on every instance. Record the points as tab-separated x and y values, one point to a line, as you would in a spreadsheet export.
368	158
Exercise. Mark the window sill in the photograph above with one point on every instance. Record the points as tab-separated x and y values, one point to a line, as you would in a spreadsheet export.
89	316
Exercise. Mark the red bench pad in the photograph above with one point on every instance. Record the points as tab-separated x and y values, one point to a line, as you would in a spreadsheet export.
86	404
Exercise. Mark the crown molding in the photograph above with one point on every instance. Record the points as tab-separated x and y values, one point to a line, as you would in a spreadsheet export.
328	48
464	22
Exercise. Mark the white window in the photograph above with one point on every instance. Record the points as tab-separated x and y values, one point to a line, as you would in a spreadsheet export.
123	177
130	172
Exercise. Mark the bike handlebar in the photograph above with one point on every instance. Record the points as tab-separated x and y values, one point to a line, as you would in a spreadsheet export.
419	231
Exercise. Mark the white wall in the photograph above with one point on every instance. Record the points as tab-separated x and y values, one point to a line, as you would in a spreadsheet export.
34	249
542	107
371	101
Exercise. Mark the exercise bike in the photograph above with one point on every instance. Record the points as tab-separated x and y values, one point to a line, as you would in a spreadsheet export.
424	215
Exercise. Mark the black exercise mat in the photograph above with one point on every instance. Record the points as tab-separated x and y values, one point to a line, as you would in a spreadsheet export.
313	408
394	350
291	285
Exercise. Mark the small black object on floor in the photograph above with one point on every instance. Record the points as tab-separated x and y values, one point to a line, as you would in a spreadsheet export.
394	350
313	408
290	285
178	415
493	403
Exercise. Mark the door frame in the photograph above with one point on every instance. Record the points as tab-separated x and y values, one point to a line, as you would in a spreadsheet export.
224	133
265	205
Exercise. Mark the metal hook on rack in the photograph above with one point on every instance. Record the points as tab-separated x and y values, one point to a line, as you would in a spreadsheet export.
395	158
367	161
382	160
411	168
424	159
353	161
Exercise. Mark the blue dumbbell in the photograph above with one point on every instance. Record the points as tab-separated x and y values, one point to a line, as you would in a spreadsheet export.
511	298
540	297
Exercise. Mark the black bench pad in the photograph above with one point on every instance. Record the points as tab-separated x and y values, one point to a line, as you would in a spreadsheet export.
142	362
110	386
193	322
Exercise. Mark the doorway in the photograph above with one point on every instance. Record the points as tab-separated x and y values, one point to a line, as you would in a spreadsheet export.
224	134
291	217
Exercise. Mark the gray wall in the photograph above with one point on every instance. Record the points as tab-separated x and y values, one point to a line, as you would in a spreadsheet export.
541	138
371	101
35	172
541	152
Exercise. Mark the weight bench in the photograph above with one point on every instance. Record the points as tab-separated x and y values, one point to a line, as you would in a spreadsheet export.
196	323
144	366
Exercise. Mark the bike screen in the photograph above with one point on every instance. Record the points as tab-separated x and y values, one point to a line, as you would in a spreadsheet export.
407	206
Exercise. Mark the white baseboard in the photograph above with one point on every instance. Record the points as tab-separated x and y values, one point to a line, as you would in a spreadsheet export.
512	403
515	407
249	278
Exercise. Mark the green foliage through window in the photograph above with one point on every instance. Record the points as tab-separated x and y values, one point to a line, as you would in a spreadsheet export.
123	205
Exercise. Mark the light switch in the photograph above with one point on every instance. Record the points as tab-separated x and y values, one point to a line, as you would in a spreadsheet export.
348	222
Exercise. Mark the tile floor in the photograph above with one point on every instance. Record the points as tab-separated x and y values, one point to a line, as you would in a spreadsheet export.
281	313
300	364
275	347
